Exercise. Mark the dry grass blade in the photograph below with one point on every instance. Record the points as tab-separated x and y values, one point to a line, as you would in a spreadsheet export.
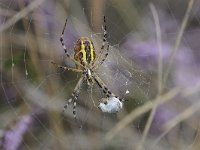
160	64
21	14
179	118
141	110
178	40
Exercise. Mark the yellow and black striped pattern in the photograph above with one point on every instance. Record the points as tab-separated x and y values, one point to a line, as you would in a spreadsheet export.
84	52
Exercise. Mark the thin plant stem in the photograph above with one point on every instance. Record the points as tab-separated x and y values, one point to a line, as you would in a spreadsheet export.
178	40
179	118
21	14
141	110
160	64
149	105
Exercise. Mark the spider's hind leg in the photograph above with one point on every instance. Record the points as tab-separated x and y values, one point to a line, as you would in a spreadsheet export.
74	97
105	89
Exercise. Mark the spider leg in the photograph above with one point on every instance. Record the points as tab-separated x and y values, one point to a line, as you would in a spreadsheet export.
66	68
104	58
65	48
74	96
104	35
105	89
103	45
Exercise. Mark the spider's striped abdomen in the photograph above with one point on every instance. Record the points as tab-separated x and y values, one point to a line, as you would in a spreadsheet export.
84	52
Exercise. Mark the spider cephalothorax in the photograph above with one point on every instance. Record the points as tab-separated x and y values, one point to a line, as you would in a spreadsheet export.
86	63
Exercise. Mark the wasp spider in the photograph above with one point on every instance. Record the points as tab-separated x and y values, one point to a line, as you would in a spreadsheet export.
86	63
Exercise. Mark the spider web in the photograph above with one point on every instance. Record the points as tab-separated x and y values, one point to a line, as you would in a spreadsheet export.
34	92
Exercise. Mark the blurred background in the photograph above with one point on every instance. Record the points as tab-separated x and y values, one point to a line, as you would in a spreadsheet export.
153	63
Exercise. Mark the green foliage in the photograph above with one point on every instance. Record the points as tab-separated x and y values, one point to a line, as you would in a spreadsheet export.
18	61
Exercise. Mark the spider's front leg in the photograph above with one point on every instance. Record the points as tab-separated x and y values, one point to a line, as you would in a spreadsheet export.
65	48
105	35
65	68
74	96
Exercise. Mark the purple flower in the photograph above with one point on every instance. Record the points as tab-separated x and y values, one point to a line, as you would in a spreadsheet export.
184	71
163	115
13	138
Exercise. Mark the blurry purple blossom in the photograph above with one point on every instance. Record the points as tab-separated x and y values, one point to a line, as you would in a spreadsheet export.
13	138
185	70
162	116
